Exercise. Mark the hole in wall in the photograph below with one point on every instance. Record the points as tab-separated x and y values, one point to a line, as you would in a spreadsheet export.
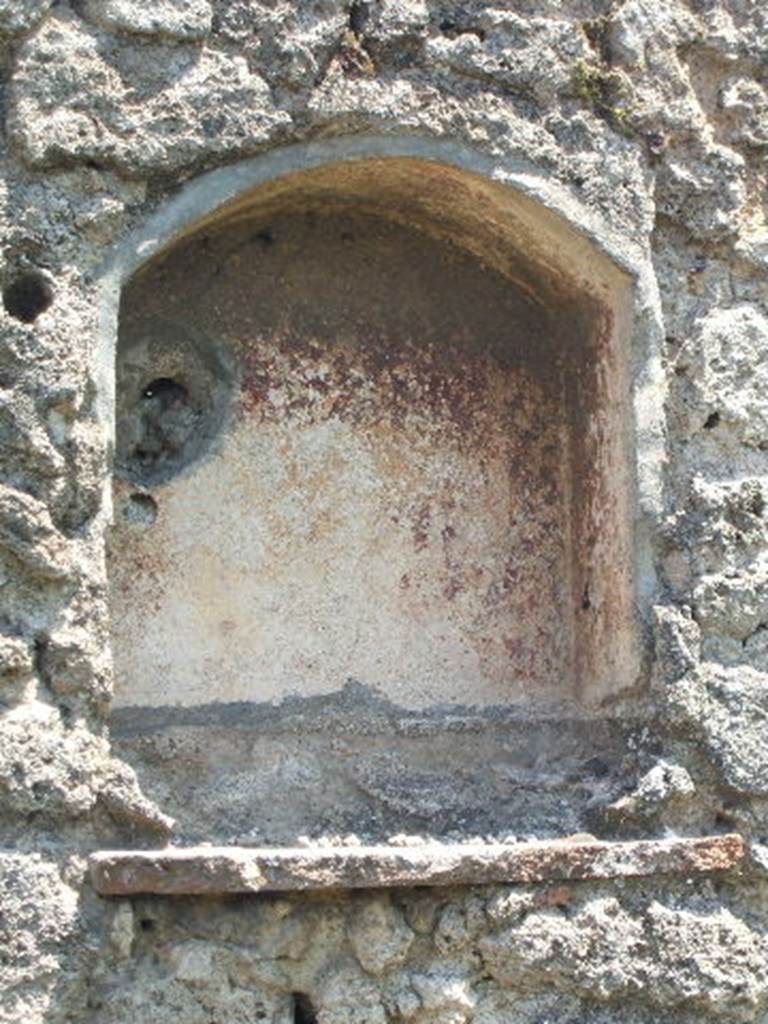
166	392
303	1010
167	418
455	27
359	13
140	509
27	296
712	421
174	395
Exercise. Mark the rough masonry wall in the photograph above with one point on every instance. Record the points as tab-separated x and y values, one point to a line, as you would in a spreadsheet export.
655	115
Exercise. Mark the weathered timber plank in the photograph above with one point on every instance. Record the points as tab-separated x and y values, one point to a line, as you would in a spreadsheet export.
211	870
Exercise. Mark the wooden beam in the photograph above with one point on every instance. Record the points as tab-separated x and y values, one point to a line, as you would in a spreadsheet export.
203	870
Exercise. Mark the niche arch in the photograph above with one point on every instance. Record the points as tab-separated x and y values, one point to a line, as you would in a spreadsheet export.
574	312
472	422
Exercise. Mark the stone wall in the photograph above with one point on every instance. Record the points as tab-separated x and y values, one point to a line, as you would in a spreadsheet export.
652	121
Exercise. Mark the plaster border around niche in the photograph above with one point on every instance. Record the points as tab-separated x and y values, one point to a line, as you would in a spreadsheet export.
203	197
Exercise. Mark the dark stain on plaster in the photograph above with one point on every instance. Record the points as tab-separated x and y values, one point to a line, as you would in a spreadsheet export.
355	708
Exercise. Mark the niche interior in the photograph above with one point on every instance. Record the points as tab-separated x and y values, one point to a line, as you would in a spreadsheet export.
373	425
372	537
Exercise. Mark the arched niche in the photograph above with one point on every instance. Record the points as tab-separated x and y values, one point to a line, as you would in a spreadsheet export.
375	432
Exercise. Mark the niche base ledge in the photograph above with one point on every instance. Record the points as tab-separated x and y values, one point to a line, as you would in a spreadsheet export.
210	870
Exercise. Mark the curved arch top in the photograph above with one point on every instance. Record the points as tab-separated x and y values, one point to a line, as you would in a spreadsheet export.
214	190
204	196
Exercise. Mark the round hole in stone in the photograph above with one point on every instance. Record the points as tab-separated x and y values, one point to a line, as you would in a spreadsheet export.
165	390
167	419
173	393
140	510
27	296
